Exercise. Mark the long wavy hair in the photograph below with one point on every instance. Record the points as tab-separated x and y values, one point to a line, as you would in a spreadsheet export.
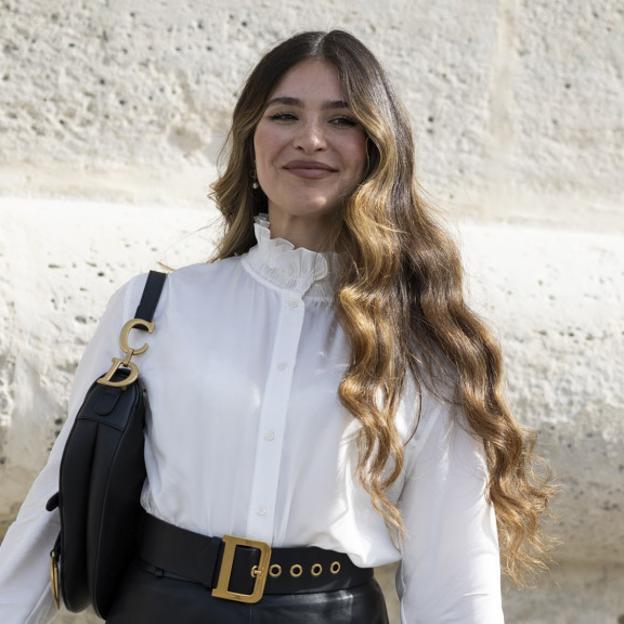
399	297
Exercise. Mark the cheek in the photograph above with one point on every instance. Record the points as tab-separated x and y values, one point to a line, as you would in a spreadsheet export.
266	143
355	153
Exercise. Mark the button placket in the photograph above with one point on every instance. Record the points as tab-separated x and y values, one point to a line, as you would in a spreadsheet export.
272	420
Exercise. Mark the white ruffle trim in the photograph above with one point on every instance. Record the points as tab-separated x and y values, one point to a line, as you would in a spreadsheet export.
299	269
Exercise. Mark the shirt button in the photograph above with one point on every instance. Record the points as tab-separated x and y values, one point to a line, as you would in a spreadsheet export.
293	303
282	366
269	435
261	511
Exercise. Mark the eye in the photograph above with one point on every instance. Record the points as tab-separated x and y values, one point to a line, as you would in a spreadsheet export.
281	115
345	120
337	121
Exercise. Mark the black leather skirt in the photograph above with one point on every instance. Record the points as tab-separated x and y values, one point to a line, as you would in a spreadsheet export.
146	598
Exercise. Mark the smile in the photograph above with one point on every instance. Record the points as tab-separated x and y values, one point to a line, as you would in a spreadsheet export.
310	173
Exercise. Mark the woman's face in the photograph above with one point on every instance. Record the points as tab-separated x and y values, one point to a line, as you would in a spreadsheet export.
311	125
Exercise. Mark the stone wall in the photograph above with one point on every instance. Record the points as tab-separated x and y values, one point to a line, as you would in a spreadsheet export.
111	118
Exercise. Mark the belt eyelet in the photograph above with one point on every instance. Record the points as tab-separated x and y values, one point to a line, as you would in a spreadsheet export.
334	568
296	570
275	569
316	569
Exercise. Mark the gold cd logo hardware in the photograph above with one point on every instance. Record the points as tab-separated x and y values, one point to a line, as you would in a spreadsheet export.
106	379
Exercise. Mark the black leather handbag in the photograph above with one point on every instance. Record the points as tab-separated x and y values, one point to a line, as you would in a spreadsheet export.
101	476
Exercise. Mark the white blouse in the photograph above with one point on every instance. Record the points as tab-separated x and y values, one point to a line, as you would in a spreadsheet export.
248	437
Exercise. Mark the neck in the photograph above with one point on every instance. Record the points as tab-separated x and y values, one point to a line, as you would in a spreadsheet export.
309	231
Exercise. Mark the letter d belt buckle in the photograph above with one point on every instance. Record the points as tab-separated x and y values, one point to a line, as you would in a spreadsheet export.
260	572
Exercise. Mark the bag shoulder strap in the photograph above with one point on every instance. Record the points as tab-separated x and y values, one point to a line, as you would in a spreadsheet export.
149	299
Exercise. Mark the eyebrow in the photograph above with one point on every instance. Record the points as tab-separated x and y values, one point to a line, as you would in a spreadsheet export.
292	101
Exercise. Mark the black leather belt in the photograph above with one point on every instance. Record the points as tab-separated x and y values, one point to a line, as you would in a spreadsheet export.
241	569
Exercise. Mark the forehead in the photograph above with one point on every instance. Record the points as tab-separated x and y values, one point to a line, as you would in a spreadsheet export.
312	80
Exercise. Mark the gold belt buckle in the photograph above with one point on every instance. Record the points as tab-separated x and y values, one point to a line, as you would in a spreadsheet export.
220	590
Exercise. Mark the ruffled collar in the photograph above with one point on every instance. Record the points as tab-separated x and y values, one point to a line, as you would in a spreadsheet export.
298	269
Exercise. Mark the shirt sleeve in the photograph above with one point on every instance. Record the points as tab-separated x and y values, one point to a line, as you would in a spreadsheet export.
450	567
25	593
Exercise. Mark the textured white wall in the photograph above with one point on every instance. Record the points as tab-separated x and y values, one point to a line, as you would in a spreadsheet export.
111	116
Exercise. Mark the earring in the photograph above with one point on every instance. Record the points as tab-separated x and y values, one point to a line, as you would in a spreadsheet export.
254	184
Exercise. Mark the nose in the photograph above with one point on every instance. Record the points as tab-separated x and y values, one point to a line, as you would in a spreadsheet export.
310	136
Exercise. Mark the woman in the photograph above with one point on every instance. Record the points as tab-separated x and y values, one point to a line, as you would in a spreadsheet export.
320	385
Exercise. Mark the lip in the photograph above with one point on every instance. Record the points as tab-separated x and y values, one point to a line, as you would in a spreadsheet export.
306	172
308	164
